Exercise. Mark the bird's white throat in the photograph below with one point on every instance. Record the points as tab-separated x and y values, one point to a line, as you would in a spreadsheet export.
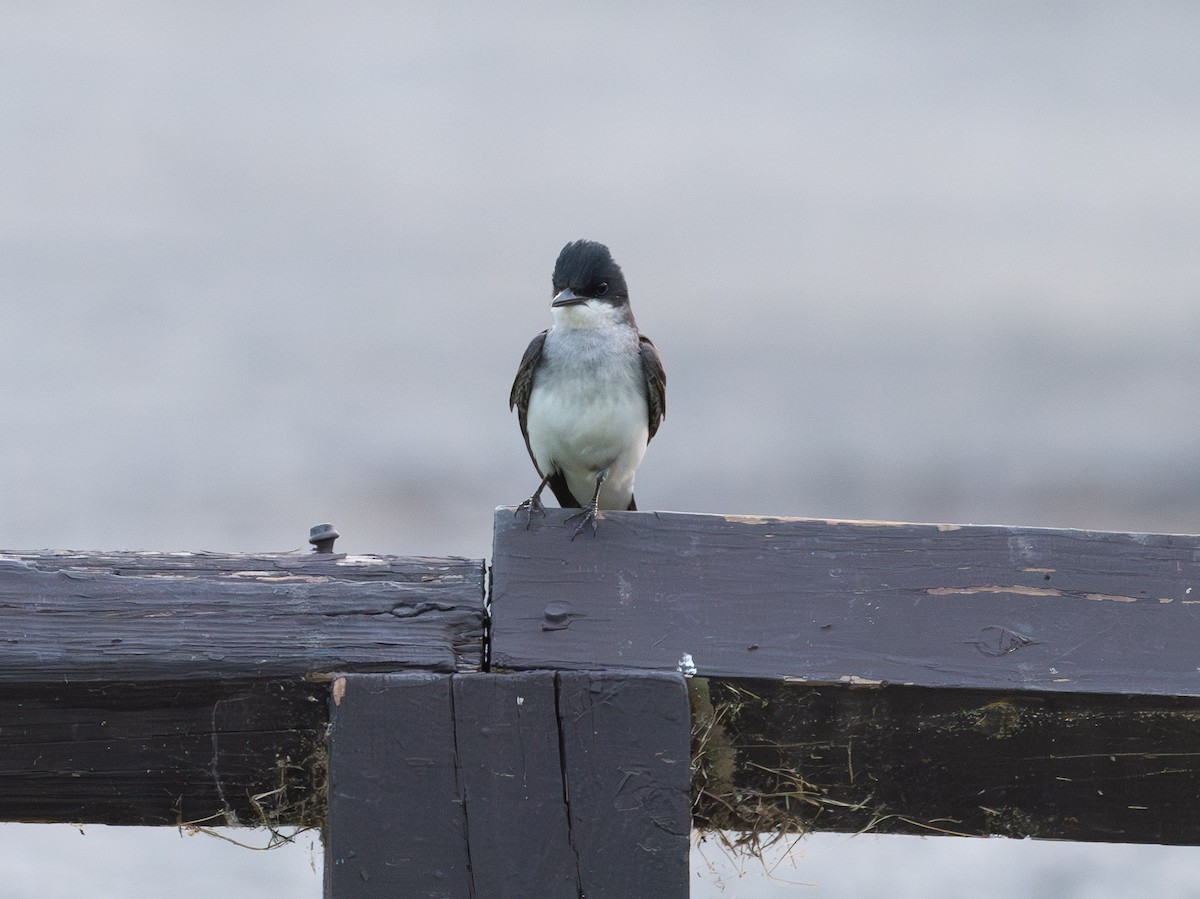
590	314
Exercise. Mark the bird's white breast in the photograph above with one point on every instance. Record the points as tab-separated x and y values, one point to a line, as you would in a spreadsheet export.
587	410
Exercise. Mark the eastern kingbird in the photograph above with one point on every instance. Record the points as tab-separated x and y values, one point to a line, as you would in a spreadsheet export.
590	391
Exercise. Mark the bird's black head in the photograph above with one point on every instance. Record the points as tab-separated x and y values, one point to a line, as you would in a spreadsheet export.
588	271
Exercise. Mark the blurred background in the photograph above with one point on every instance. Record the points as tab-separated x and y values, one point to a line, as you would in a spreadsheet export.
265	265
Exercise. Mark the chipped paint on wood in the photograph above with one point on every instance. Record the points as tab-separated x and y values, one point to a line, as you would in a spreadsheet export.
993	588
1022	590
172	616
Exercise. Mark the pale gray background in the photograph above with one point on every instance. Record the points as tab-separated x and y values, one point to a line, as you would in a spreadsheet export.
269	264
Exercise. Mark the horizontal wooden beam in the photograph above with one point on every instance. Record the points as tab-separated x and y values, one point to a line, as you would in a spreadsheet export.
142	617
172	688
773	757
898	678
210	753
832	602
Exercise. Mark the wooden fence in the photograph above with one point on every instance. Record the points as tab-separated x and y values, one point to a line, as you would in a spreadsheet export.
559	733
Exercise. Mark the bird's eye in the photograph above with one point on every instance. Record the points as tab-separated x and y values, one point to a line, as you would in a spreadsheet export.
601	288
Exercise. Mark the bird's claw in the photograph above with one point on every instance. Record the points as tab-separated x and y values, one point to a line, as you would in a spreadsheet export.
531	505
590	515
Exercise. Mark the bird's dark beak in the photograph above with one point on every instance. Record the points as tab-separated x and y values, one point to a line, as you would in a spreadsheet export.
568	297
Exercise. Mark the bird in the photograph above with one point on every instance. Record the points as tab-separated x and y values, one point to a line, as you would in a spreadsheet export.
590	391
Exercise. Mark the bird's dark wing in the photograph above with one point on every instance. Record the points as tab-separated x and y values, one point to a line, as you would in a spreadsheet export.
518	398
656	382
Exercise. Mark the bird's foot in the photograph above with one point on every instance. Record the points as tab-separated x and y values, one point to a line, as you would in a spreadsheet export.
590	515
531	505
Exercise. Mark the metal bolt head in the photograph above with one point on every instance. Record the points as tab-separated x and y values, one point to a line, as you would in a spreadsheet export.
321	536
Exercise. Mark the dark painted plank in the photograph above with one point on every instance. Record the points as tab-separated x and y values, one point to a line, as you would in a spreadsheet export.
926	761
396	825
625	751
156	616
210	753
512	780
454	786
849	602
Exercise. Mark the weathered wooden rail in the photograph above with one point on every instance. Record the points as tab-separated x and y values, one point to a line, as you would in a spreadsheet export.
898	677
149	688
842	675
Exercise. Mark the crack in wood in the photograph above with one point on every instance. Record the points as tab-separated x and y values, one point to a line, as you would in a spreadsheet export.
566	784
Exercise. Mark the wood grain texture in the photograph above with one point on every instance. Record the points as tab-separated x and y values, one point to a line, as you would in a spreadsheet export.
913	760
174	616
850	602
205	752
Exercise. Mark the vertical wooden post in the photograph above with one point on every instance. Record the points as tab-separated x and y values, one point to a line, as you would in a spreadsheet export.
512	777
395	825
627	765
492	785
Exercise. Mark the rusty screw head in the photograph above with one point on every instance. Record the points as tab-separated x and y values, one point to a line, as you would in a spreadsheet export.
321	536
